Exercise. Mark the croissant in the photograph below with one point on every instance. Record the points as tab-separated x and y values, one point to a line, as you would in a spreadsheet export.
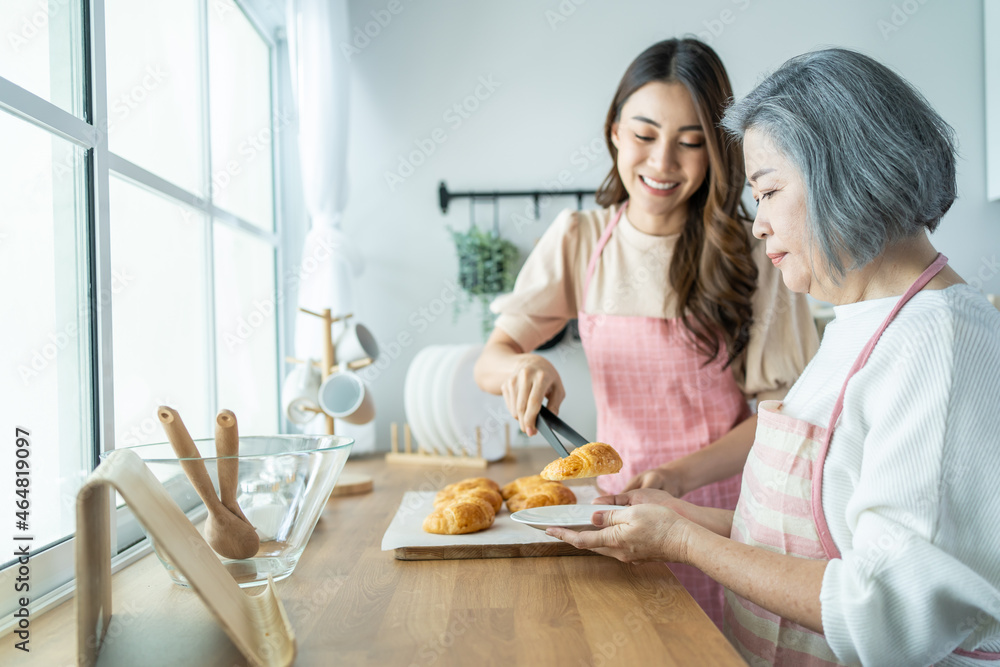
467	514
453	492
542	496
591	460
478	481
533	491
519	485
473	483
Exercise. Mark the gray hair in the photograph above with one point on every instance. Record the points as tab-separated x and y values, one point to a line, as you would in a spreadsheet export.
878	162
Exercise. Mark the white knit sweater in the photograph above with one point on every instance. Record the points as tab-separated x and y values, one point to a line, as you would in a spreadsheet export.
911	484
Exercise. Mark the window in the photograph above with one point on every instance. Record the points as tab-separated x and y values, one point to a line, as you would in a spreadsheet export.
139	241
44	273
42	50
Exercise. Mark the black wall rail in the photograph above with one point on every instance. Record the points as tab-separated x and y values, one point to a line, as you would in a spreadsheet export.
445	197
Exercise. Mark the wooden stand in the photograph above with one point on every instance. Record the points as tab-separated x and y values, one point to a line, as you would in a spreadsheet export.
421	455
329	363
257	624
352	484
328	366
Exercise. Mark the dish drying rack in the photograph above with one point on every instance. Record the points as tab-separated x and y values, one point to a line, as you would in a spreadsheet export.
420	455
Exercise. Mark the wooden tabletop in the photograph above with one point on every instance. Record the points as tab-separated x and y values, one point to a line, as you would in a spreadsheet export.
352	604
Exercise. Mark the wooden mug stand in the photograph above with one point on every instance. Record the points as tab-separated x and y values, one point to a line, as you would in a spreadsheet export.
329	364
421	455
256	624
349	483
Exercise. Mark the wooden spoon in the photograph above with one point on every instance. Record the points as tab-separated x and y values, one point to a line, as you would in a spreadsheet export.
229	534
227	443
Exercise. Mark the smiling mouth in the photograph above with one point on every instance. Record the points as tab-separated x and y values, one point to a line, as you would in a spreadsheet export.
659	185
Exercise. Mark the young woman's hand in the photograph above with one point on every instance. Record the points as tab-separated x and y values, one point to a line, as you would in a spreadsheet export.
716	520
638	497
534	379
666	478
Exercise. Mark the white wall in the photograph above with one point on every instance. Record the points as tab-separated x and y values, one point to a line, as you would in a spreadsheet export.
555	81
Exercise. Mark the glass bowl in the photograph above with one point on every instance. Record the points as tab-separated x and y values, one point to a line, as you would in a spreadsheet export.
284	483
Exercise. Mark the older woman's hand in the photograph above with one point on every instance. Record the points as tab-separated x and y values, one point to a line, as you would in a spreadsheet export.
636	534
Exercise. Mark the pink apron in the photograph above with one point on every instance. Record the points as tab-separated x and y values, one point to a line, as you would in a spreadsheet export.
781	510
657	401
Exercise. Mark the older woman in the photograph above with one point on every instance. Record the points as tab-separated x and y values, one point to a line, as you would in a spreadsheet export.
866	529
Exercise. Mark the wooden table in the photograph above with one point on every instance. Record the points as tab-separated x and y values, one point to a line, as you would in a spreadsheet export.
352	604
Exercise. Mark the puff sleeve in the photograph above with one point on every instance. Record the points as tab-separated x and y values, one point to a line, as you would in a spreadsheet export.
547	291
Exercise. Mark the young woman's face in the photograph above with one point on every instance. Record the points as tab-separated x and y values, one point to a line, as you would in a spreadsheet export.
662	156
780	222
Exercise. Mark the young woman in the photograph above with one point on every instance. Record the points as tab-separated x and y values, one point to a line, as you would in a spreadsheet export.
866	528
682	315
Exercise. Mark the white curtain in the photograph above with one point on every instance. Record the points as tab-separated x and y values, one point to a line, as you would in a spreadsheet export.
330	262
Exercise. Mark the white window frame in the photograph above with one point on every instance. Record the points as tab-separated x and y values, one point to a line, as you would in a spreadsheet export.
52	569
991	33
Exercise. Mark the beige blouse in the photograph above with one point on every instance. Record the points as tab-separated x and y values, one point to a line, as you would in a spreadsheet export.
631	280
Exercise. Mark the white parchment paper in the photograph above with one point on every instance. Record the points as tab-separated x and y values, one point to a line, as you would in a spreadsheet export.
406	529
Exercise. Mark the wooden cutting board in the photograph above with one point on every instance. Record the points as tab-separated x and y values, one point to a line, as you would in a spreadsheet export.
458	551
505	539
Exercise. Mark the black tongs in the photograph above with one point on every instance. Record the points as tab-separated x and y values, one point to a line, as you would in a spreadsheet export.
549	424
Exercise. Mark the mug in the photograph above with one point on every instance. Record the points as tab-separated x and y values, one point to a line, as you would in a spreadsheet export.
355	342
300	392
343	395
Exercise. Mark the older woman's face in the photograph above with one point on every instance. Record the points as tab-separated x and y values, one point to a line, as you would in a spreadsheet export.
780	194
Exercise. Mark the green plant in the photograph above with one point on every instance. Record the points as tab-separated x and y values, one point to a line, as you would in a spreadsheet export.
487	266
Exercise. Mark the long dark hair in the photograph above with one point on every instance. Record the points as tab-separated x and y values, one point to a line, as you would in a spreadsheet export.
712	270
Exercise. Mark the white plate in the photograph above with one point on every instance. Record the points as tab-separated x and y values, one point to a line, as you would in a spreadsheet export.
427	373
409	407
472	407
440	404
412	398
566	516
